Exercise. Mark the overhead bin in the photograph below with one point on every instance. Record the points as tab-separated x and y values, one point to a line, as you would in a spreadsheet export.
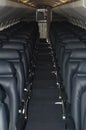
75	12
12	12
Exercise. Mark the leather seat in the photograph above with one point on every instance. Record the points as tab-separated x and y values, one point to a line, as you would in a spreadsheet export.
27	45
78	105
70	45
71	56
66	53
21	49
16	61
24	39
61	47
8	82
76	56
3	118
13	56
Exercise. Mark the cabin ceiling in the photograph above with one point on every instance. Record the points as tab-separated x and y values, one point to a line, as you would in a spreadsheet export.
43	3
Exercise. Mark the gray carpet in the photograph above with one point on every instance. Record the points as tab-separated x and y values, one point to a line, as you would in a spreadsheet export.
43	114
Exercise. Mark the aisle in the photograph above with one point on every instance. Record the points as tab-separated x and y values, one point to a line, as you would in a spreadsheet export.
43	113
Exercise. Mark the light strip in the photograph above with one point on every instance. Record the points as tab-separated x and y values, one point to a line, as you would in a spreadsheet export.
24	1
38	3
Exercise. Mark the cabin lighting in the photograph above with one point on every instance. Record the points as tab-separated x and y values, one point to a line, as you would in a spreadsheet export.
64	1
24	1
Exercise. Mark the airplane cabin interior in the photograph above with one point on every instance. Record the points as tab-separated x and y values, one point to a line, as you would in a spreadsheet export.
42	64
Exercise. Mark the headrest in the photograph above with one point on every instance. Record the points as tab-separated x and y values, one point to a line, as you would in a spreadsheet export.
0	43
83	37
82	67
64	37
3	37
78	53
18	40
74	45
9	54
69	40
16	46
63	33
21	36
6	68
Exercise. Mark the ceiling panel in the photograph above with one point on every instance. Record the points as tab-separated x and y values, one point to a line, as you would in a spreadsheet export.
43	3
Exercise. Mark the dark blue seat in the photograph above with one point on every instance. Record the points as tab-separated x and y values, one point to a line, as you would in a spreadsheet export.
13	56
27	46
66	52
75	57
61	47
8	82
78	104
20	48
3	117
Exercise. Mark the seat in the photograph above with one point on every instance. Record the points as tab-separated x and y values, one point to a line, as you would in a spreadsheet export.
66	53
61	47
68	46
71	60
3	117
13	56
8	82
78	104
25	61
27	46
76	56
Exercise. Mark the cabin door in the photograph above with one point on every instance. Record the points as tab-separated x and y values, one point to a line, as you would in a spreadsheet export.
43	17
43	29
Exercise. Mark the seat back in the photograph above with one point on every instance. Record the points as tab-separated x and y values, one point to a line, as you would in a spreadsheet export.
20	48
3	117
78	104
14	57
75	57
8	82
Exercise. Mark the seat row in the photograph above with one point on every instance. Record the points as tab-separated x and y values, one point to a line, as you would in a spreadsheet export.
69	47
17	64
